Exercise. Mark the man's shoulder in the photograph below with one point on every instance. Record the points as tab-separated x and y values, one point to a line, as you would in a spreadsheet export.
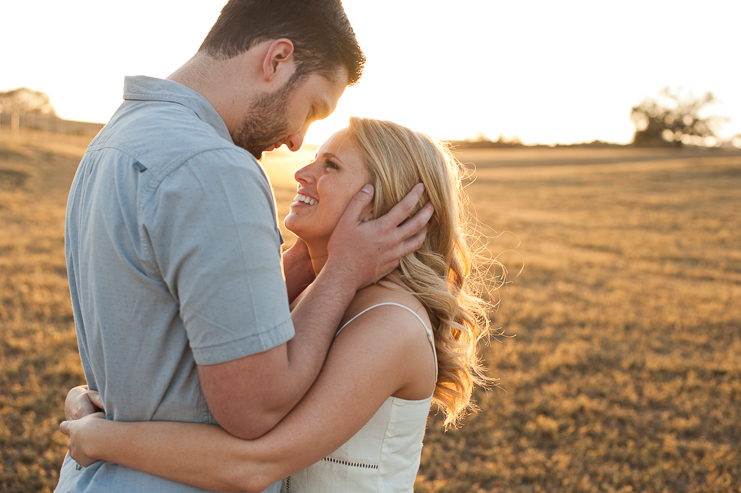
163	135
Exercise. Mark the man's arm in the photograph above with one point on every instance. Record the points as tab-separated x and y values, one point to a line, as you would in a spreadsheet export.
250	395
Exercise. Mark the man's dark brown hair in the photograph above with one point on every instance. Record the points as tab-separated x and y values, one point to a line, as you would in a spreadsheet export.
322	37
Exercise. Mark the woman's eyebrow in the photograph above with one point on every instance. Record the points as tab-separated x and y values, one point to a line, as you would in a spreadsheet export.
331	156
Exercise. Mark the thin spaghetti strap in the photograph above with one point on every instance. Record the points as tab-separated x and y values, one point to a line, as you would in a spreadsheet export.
430	336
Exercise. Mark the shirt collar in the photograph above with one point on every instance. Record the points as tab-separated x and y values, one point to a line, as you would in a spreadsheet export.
142	88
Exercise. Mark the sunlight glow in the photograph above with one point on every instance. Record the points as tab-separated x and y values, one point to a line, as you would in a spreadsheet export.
546	72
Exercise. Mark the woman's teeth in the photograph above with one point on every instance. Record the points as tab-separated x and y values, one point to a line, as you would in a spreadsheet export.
307	200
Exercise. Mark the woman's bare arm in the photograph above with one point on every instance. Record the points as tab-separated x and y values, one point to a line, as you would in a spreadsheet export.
201	455
379	354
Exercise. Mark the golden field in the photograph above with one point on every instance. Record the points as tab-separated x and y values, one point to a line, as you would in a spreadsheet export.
620	369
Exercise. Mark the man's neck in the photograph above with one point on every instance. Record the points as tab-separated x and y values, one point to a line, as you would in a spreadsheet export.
196	73
226	84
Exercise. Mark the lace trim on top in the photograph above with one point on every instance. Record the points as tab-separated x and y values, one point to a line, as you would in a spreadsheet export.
340	462
352	464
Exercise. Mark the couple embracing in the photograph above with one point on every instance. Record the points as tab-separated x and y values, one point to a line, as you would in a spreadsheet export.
213	361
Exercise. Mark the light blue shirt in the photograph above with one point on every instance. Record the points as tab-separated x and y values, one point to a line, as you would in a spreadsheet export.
173	258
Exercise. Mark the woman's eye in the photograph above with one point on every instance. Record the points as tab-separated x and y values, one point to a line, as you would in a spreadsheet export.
331	164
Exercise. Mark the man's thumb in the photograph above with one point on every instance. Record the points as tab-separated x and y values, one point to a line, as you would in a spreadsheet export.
358	203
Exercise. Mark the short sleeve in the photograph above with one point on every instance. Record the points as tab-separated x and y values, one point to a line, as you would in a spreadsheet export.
212	228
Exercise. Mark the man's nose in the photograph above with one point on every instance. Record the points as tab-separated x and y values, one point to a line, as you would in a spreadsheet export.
295	141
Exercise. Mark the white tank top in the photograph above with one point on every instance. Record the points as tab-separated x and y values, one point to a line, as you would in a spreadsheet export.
383	456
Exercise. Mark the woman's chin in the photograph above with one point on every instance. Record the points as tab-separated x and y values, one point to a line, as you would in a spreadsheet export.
293	224
290	223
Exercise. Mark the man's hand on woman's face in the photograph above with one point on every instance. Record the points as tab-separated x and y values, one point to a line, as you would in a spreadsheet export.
368	251
80	402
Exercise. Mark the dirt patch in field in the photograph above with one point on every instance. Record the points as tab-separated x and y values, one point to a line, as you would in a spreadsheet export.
11	179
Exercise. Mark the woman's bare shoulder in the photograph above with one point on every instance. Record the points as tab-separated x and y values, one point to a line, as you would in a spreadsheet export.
398	334
385	292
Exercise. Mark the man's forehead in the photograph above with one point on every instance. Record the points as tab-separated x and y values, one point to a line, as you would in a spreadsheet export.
333	88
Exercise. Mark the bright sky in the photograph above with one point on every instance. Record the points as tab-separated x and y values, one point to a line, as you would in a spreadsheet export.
545	71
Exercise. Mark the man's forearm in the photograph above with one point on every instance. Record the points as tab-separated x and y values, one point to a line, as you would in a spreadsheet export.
250	396
316	319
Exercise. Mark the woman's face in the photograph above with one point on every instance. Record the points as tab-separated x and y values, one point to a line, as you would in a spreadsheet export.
325	188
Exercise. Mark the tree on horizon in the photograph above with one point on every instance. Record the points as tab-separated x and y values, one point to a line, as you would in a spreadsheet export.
674	119
24	100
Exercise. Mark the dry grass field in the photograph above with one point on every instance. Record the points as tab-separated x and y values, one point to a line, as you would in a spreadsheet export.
623	372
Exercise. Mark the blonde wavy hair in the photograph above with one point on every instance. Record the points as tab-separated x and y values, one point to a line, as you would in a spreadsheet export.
441	273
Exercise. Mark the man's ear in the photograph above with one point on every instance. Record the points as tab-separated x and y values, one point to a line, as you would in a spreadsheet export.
278	60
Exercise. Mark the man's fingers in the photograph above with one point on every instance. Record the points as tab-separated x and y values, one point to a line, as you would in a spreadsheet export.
401	211
358	203
416	223
413	243
64	427
404	248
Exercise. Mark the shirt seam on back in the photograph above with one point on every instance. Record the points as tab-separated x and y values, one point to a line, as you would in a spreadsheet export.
170	166
159	178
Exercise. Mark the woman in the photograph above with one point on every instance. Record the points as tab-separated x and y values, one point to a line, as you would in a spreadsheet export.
404	342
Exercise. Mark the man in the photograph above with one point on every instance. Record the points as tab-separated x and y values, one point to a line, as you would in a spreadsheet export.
173	249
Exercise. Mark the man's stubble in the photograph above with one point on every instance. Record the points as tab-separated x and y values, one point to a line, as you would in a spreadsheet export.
267	121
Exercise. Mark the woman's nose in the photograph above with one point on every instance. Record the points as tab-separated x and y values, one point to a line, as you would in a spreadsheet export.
304	174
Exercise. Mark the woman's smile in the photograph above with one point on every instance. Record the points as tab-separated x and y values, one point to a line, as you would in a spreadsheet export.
301	199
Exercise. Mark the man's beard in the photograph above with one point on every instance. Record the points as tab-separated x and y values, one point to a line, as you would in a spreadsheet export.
267	122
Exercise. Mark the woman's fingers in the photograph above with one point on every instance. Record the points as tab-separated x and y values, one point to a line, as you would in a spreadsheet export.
95	399
74	430
75	402
80	402
64	427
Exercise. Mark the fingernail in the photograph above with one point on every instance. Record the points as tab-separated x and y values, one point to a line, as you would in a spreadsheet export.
367	189
422	187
